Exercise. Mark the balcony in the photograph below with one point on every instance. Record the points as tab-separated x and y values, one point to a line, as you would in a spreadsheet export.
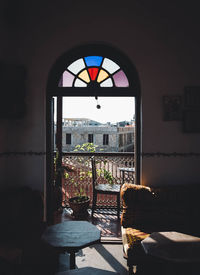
81	176
105	217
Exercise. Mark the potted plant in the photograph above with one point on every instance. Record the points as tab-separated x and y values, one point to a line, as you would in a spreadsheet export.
79	204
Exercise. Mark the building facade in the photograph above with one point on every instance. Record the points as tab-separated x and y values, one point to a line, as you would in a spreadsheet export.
107	137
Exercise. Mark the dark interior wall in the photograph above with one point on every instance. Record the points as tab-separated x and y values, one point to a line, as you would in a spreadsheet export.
160	40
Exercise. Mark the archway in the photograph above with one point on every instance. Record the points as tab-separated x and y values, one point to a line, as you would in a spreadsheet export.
89	70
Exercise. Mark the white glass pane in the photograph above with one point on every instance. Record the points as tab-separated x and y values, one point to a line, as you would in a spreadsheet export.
110	66
76	66
107	83
79	83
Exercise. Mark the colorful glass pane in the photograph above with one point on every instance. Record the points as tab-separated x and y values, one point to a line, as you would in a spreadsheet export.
110	66
84	76
93	61
93	73
120	79
102	76
67	79
79	83
77	66
93	68
107	83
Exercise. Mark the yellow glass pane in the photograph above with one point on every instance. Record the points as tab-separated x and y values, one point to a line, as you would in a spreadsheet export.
102	75
84	75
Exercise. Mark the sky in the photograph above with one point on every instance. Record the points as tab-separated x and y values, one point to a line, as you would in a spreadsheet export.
113	109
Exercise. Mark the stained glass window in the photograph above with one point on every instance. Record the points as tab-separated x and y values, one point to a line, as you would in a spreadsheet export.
94	70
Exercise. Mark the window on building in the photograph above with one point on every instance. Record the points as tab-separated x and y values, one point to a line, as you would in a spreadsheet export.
125	139
90	138
68	138
129	138
121	143
105	139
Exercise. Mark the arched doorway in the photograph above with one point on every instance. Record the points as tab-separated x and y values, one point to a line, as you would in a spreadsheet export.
89	70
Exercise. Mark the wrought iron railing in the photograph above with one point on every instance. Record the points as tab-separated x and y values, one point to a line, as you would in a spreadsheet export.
80	178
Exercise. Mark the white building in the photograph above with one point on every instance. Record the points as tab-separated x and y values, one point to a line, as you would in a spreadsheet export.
108	137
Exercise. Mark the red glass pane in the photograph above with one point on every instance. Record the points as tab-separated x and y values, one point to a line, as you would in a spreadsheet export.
93	73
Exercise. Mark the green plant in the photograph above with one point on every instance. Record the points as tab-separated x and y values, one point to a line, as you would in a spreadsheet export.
80	193
108	176
60	171
86	147
90	147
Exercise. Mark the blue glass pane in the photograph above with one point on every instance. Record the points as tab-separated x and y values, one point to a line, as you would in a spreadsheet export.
93	61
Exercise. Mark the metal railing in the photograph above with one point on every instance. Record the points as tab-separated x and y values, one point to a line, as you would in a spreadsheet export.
80	178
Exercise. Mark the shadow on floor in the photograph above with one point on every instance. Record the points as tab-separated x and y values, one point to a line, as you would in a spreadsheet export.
102	256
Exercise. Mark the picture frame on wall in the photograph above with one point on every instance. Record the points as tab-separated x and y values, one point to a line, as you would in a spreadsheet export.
172	107
191	113
191	121
192	97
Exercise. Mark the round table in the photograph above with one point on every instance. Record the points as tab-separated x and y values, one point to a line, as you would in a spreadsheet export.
70	237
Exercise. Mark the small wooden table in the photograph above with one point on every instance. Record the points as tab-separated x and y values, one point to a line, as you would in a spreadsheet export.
127	170
173	247
71	236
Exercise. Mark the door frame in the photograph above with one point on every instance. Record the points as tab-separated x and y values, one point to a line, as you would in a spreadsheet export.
53	90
